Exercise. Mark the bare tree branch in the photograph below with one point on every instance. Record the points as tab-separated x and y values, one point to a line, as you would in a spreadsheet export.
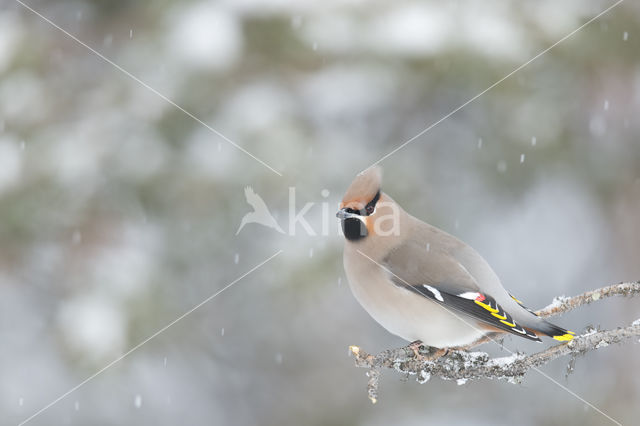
562	304
462	365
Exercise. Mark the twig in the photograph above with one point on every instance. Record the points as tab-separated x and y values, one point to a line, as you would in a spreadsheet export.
563	304
462	365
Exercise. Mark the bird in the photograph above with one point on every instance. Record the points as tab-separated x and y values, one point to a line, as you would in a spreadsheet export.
260	213
421	283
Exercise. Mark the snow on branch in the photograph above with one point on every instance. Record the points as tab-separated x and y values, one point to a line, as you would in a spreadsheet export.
462	365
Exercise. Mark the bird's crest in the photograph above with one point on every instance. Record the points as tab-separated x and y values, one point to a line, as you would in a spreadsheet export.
365	186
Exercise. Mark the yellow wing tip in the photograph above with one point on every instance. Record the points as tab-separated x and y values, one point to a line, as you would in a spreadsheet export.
565	337
486	306
500	317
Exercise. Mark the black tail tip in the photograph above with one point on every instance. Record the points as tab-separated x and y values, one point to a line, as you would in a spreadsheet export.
558	333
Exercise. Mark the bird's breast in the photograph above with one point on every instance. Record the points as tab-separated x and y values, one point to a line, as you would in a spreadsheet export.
402	312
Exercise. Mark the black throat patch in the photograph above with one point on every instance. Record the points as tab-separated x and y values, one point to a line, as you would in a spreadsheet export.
354	229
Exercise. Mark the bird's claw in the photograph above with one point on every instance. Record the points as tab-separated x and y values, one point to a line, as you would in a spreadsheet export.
433	354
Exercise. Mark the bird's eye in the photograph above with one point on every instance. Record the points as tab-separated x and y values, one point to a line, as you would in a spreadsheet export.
369	208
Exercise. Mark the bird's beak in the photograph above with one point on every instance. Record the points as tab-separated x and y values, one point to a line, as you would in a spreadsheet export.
343	214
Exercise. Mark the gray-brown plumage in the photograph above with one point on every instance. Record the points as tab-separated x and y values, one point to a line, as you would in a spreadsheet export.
421	283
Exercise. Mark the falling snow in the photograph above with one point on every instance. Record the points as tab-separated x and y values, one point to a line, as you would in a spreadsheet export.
76	237
296	22
108	40
597	125
83	249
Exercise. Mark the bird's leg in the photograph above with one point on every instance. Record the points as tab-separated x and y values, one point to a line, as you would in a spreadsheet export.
434	353
415	348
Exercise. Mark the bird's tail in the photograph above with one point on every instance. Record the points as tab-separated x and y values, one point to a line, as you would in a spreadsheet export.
554	331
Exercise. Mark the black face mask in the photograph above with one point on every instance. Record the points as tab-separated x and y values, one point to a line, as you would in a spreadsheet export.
353	228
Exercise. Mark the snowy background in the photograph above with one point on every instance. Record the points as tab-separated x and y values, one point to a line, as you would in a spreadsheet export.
118	212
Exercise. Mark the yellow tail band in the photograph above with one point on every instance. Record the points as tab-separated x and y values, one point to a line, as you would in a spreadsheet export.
565	337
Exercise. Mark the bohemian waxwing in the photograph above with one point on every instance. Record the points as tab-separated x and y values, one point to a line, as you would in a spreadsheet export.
421	283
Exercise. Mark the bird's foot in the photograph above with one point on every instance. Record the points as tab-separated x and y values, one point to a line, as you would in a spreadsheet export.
432	354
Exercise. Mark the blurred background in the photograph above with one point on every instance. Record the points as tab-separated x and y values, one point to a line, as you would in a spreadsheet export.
119	212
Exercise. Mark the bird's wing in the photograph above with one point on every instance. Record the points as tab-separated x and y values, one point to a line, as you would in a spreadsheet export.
254	199
417	263
435	274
